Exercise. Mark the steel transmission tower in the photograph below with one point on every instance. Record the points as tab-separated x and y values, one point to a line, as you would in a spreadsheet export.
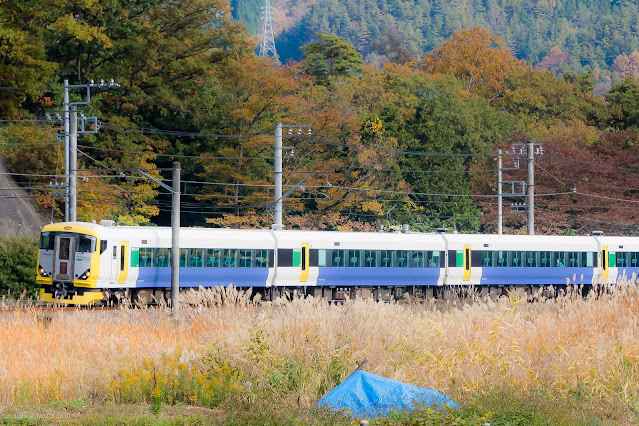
267	41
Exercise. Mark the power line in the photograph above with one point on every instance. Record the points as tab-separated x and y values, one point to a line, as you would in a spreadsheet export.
199	157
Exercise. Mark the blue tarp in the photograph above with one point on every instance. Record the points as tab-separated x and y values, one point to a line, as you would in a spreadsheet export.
363	394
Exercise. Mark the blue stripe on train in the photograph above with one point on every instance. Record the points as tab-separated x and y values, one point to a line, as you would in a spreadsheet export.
206	277
528	276
335	276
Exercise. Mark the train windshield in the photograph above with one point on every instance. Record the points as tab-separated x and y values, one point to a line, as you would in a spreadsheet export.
47	240
83	243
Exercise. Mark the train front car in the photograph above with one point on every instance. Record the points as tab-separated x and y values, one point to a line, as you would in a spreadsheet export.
69	263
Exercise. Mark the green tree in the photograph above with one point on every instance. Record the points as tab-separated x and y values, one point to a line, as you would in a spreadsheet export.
23	55
623	100
332	56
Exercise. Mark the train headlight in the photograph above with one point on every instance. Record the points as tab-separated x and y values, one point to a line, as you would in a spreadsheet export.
42	272
86	274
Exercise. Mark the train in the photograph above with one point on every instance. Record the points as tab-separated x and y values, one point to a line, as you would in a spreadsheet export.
90	263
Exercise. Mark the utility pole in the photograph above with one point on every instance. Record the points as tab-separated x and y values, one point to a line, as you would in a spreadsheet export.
277	205
531	149
530	201
70	158
278	177
73	161
175	242
499	192
66	150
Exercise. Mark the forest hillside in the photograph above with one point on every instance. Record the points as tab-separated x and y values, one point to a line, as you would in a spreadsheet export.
579	35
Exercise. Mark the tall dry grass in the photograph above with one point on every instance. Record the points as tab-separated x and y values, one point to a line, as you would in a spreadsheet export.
303	347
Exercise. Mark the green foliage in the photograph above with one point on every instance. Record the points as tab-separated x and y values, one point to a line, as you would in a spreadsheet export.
623	99
332	56
18	260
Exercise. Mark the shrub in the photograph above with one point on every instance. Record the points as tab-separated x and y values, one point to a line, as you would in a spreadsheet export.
18	262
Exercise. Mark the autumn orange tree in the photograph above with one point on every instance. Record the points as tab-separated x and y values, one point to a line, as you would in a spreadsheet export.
476	58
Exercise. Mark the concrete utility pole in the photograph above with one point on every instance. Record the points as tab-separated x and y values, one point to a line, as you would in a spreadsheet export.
278	177
73	162
499	193
530	202
175	242
279	198
66	149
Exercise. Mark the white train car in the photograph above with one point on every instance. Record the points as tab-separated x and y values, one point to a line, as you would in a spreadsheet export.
84	263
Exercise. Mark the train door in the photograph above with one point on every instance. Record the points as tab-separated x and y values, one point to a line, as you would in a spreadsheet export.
123	262
466	261
63	258
304	262
604	263
113	270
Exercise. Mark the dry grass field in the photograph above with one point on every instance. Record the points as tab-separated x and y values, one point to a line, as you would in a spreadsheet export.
567	359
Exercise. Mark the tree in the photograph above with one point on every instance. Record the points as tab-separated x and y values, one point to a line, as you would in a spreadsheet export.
476	58
623	100
23	55
392	45
330	57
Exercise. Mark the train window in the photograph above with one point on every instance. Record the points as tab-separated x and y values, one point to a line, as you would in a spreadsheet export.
246	258
115	252
65	245
417	259
103	246
587	259
321	257
86	244
433	259
401	258
573	259
183	255
532	259
545	259
146	257
355	258
163	257
370	258
622	259
517	259
213	258
337	258
47	240
386	258
122	255
560	259
634	259
501	258
230	258
486	258
261	258
196	257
